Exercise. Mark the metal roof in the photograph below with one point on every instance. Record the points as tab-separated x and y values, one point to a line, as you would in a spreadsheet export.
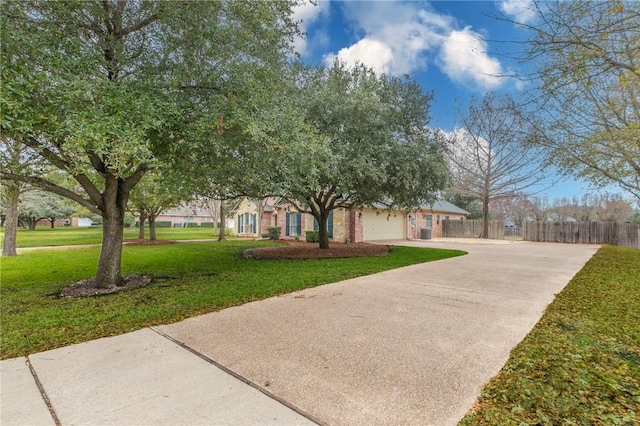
444	206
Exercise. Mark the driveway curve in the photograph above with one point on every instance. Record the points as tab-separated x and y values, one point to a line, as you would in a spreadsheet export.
413	345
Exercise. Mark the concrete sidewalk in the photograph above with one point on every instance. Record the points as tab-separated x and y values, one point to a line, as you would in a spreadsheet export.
138	378
410	346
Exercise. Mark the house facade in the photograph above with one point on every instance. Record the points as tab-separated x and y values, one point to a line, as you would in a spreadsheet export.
254	217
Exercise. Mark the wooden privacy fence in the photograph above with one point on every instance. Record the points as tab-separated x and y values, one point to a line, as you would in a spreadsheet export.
472	229
614	233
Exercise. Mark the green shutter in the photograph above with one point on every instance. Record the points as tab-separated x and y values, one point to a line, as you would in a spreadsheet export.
287	223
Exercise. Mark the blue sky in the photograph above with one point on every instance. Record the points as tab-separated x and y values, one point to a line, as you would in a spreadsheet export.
451	48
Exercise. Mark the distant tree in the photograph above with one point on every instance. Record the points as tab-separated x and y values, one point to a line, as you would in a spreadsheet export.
14	158
157	191
470	204
540	208
586	59
491	156
562	208
604	207
521	210
503	208
218	211
613	208
38	205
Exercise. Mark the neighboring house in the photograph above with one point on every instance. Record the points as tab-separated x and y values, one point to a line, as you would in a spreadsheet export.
253	217
81	221
181	216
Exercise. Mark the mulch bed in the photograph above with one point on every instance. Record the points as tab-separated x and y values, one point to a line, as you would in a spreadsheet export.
303	250
87	288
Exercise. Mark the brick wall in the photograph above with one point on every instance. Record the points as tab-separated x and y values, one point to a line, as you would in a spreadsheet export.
436	222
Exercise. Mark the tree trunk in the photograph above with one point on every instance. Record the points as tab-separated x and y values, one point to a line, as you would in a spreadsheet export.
113	209
152	227
323	232
31	223
143	219
485	217
11	218
221	236
53	222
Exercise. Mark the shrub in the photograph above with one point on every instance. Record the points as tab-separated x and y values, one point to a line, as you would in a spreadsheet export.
192	225
273	233
312	236
162	224
207	225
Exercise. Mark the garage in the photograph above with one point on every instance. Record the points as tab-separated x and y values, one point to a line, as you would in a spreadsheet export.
380	225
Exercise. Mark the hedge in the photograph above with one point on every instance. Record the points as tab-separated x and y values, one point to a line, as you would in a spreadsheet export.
312	236
273	233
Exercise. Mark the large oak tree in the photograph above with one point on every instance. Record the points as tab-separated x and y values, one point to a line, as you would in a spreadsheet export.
366	141
104	90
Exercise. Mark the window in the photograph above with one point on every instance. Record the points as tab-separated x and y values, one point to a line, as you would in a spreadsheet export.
429	221
437	219
247	223
293	225
329	224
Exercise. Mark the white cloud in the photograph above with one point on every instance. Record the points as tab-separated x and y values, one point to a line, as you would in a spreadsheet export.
401	38
372	53
306	13
464	59
521	11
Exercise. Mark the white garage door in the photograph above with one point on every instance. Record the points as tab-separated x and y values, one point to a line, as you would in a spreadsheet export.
379	225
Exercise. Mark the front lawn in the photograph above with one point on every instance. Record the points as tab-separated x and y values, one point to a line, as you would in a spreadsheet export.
189	279
580	365
45	236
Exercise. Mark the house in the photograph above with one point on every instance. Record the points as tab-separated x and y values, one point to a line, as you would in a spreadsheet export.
189	216
253	217
81	221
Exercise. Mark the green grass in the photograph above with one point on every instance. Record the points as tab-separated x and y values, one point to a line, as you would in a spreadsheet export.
44	236
189	279
580	365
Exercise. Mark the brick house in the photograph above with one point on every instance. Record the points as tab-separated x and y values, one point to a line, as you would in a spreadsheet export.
253	217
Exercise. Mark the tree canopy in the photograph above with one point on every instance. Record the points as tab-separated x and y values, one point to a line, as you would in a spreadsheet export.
37	205
586	59
367	142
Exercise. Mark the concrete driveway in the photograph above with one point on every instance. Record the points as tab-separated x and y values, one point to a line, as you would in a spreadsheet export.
410	346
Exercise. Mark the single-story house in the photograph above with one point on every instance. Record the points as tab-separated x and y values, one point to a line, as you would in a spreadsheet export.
182	216
253	217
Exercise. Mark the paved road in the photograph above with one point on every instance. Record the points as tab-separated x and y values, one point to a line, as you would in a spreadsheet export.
409	346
